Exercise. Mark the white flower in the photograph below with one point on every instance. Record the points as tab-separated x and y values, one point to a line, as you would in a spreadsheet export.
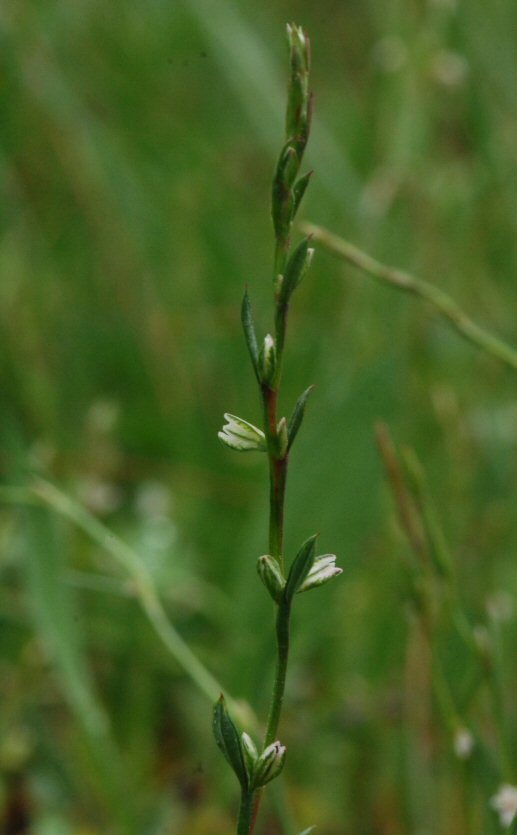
463	743
505	803
323	569
240	435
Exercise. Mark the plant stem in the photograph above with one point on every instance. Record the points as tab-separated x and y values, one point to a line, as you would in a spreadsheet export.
245	813
282	636
277	699
286	195
277	476
446	307
277	486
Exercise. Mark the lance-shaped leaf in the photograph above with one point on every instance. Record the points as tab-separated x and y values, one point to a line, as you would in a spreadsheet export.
299	190
300	568
323	569
297	266
229	742
240	435
248	327
307	831
295	421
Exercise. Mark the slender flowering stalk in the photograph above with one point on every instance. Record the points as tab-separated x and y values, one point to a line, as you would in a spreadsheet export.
443	304
254	767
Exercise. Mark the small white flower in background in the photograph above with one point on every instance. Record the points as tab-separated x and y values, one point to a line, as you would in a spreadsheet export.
390	53
42	454
153	499
500	606
323	569
103	415
240	435
99	496
463	743
450	68
482	638
505	803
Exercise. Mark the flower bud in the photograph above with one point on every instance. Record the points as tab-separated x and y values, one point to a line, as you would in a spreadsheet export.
249	749
271	575
298	116
282	438
267	360
323	569
240	435
269	764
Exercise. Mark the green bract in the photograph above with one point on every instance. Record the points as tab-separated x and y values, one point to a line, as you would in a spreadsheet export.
295	421
228	741
300	568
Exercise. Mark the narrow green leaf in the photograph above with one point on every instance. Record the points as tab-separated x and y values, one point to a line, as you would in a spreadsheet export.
299	189
295	421
300	568
295	270
248	327
229	742
306	831
57	623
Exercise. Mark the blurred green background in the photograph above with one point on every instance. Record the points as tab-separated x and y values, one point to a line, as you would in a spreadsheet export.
137	143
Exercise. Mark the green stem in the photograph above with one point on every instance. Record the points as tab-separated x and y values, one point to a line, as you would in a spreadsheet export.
277	476
280	332
282	637
281	251
443	303
245	813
